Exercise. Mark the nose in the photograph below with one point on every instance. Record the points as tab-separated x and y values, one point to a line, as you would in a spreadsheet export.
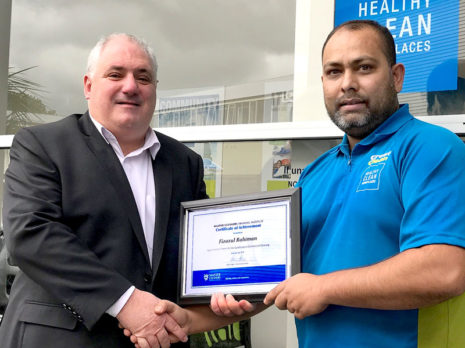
130	85
349	81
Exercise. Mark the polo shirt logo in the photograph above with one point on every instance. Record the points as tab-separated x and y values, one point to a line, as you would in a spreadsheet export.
371	176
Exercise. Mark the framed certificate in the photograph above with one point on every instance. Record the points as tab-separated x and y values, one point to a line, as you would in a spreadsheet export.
242	245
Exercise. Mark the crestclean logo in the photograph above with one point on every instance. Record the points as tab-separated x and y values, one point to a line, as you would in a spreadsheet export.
375	159
371	176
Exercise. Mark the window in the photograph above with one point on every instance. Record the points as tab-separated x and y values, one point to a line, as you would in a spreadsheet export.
220	62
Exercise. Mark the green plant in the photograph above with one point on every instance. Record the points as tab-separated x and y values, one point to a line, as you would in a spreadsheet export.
24	101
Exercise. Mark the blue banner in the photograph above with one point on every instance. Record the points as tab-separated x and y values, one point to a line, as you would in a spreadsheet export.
425	33
241	275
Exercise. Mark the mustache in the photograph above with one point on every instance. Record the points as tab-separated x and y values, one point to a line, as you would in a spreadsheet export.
349	99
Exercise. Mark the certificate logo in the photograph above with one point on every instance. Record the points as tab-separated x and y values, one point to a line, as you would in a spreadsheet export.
205	277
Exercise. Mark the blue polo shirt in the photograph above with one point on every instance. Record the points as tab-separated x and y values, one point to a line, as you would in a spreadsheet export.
401	187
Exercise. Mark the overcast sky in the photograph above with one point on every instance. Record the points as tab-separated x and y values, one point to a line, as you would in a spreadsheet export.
198	43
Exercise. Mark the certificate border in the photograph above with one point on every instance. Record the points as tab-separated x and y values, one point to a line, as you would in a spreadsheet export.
291	195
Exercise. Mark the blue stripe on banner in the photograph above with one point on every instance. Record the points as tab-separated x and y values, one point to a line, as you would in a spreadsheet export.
242	275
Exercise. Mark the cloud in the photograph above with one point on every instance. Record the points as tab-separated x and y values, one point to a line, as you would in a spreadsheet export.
198	43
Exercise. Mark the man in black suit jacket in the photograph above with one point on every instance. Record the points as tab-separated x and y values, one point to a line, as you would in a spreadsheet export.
78	219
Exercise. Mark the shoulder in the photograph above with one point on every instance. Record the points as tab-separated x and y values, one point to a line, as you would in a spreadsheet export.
422	138
319	164
56	132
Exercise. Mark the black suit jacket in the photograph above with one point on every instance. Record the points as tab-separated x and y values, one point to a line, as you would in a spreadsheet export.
72	226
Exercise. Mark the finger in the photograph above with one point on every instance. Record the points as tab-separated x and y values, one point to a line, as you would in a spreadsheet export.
163	339
233	305
162	307
214	303
126	332
281	301
173	327
224	306
142	343
133	339
271	296
247	306
152	340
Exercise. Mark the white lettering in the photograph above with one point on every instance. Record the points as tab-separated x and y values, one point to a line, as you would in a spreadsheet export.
373	8
406	27
390	26
394	9
415	3
427	3
414	46
426	25
363	9
384	7
427	45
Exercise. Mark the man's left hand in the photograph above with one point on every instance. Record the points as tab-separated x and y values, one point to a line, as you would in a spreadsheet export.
301	295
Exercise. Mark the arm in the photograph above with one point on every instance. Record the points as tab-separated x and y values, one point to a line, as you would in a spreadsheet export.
50	246
45	248
201	318
414	278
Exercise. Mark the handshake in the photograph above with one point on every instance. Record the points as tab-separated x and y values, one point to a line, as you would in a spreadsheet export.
150	322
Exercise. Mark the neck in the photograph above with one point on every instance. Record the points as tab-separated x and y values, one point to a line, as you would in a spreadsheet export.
352	141
129	144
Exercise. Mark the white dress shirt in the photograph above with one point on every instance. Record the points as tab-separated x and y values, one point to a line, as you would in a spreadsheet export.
138	168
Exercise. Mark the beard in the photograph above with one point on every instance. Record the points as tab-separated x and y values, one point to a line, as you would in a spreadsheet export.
364	123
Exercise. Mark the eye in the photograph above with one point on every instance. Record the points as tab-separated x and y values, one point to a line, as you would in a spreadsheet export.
333	72
365	67
144	79
114	75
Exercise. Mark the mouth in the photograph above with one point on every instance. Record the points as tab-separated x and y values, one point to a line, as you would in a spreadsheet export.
351	104
127	103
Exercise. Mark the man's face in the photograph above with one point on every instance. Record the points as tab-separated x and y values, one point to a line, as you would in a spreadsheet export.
360	88
121	92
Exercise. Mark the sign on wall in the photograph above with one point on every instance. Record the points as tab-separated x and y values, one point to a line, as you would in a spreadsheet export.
425	34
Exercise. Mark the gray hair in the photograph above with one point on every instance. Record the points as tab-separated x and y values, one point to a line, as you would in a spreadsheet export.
95	52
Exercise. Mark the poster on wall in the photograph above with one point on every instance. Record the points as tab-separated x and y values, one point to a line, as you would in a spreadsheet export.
425	34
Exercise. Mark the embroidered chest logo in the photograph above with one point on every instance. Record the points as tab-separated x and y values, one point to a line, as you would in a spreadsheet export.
371	176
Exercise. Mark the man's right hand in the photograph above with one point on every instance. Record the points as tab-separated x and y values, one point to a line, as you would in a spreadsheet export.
139	317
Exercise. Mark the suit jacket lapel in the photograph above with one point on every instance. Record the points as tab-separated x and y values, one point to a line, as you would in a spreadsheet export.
116	176
162	171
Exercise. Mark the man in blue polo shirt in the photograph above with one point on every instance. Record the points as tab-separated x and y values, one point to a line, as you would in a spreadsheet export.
383	213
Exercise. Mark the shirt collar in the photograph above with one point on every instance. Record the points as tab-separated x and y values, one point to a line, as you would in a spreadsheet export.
151	140
388	127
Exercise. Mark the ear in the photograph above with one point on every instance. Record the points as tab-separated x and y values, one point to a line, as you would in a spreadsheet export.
87	86
398	73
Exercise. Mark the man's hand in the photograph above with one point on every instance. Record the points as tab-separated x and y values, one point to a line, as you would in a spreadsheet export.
227	306
180	316
301	294
147	327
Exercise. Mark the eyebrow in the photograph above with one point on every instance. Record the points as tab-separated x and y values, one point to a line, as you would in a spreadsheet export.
120	68
352	62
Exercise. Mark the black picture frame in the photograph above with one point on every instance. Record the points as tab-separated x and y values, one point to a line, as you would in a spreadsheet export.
290	198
